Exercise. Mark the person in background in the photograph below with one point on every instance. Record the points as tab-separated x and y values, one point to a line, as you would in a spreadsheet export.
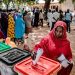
4	23
68	19
1	35
36	18
55	17
19	28
50	17
22	11
55	44
27	19
61	16
0	19
11	26
41	17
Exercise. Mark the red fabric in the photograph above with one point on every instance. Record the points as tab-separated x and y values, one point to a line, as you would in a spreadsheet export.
1	35
54	47
65	71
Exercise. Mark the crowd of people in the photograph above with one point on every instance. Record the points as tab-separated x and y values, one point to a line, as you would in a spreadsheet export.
54	16
15	24
10	24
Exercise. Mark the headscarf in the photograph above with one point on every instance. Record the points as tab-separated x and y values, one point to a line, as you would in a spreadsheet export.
61	24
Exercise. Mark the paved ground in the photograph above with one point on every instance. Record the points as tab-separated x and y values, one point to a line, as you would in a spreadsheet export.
43	31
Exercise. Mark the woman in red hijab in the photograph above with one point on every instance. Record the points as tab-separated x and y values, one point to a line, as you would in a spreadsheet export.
55	44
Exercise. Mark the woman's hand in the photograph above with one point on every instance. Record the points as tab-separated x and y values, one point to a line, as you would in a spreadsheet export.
71	61
26	47
33	55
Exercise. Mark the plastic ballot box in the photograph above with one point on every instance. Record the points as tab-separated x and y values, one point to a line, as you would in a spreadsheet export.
9	58
44	66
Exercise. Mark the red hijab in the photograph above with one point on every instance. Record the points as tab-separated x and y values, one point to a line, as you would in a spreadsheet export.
54	47
62	24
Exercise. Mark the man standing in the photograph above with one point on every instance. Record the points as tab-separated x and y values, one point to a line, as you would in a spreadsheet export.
55	17
68	19
50	17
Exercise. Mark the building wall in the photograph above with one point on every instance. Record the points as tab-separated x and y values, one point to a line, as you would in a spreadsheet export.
64	6
67	5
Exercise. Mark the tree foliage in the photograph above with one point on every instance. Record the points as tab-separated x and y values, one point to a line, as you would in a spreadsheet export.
47	4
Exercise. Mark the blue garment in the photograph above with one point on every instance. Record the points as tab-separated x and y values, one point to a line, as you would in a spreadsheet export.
68	16
19	26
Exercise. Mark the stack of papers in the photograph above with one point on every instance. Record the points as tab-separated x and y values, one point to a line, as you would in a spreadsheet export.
64	62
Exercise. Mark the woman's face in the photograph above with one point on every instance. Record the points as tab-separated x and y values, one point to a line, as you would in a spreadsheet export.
59	32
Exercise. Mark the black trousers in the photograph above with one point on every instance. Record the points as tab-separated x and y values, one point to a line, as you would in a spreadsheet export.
36	22
41	20
53	23
68	26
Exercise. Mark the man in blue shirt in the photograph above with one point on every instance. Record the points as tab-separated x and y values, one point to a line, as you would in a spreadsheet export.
68	18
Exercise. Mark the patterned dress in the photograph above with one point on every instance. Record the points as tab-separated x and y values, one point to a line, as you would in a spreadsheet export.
10	31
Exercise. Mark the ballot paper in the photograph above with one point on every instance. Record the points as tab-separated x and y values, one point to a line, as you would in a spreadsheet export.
39	53
61	57
64	62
